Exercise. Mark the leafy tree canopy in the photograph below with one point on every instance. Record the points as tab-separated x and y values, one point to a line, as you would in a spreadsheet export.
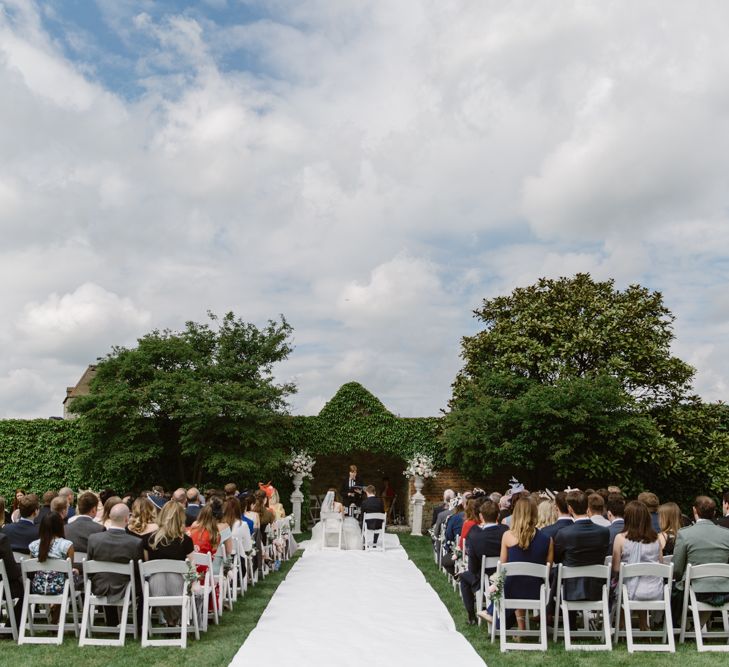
182	404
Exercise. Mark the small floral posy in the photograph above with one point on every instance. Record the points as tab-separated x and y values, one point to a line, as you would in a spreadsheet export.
421	465
496	589
191	577
300	463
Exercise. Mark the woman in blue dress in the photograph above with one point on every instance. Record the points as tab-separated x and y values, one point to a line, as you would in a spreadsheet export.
523	542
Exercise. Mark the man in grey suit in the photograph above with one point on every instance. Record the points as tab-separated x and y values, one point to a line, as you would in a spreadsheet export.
114	545
83	526
704	542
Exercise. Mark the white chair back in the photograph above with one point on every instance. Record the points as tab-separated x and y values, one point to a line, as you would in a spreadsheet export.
374	538
6	603
718	574
333	523
208	590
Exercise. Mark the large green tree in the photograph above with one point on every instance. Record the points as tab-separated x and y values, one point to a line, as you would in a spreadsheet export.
198	404
563	379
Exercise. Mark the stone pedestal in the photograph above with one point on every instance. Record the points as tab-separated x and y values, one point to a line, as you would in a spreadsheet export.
297	498
417	501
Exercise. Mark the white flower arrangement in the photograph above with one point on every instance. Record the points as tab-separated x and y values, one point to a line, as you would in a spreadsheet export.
420	465
300	463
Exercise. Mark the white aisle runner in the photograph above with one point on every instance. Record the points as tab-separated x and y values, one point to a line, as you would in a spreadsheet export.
356	608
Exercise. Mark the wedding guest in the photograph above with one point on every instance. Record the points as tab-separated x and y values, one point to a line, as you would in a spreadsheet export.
669	516
59	505
615	512
250	514
180	496
652	503
15	576
724	521
4	514
564	518
470	519
50	545
110	502
157	497
595	509
170	542
84	525
193	505
231	489
546	513
45	508
67	493
239	529
524	542
25	531
15	513
265	515
114	545
209	531
639	543
448	495
483	540
143	517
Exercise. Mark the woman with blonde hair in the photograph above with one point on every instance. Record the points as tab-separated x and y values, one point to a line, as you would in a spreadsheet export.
169	542
143	518
546	513
669	519
524	543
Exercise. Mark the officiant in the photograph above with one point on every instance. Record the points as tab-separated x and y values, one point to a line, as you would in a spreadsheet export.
352	489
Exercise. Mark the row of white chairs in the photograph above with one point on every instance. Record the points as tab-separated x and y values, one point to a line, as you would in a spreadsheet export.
230	586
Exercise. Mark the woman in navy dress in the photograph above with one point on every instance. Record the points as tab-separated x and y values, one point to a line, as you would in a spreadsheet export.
524	543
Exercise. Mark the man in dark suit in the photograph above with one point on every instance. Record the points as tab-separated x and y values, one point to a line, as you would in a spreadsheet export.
615	511
563	520
482	540
114	545
15	577
193	506
582	543
83	526
372	504
24	532
352	489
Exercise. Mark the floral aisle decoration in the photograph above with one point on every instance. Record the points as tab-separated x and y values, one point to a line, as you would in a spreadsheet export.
300	463
420	465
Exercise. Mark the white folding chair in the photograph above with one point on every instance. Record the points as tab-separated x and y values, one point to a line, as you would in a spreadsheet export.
6	605
538	605
208	590
28	621
333	526
374	538
691	602
598	607
629	571
482	596
78	557
222	582
667	560
20	557
184	600
238	582
91	602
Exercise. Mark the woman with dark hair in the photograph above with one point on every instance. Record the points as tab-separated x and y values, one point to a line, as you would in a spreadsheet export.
209	531
52	544
238	527
639	543
15	513
470	518
4	514
265	515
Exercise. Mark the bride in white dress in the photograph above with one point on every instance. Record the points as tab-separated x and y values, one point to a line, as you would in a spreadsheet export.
351	531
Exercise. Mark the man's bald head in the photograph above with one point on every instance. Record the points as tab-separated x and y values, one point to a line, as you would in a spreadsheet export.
179	496
119	515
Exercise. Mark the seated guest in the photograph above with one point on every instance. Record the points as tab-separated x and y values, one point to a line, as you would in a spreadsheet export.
180	496
106	515
170	542
704	542
615	512
4	514
84	525
51	545
59	505
442	518
239	529
582	543
546	513
143	517
15	576
193	505
669	516
639	544
250	514
523	542
448	495
564	518
114	545
724	521
25	531
595	509
652	503
231	489
374	505
67	493
482	540
157	497
265	515
15	512
453	529
470	518
45	508
209	531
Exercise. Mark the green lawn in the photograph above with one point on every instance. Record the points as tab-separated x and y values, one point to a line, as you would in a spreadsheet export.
421	553
216	647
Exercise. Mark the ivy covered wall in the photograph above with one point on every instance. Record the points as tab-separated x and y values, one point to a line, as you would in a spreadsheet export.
39	454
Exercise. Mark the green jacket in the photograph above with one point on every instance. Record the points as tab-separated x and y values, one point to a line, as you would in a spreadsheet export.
702	543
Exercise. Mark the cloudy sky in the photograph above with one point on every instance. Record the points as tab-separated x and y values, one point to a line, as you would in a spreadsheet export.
372	170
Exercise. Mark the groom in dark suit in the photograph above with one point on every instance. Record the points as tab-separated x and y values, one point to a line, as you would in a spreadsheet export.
372	505
482	540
